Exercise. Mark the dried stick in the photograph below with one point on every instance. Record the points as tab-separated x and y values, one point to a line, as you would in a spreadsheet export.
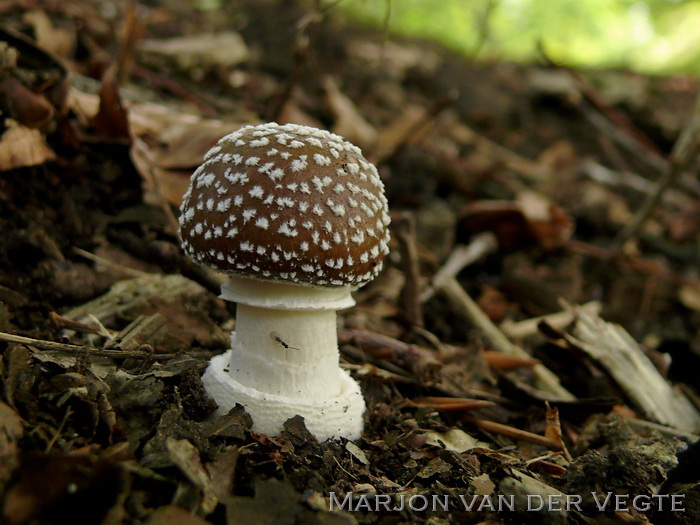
461	257
530	169
419	361
684	154
80	349
404	227
530	327
468	309
131	272
513	433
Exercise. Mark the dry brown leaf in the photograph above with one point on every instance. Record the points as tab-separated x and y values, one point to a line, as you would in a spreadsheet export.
221	473
553	429
530	219
549	223
186	457
111	120
167	145
483	485
23	105
56	40
398	131
223	49
293	114
21	147
349	122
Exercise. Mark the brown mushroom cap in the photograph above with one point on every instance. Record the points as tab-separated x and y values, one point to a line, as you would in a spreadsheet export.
289	203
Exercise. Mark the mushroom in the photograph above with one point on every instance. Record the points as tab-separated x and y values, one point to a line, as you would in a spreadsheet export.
297	218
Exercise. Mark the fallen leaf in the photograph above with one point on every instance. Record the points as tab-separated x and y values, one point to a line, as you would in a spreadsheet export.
186	457
221	473
56	40
553	429
21	146
223	49
483	486
111	121
455	440
349	122
357	452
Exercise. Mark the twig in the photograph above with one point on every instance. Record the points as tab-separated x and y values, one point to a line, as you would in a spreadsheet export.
469	310
513	433
131	272
616	117
80	349
641	424
633	181
451	404
684	154
461	257
530	169
530	327
419	361
404	227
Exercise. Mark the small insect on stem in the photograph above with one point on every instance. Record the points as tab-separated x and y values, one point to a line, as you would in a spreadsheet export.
277	339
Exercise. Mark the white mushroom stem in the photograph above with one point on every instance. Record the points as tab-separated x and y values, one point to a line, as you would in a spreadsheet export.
283	360
286	352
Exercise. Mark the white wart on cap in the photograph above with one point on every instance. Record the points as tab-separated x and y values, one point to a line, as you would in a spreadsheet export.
290	203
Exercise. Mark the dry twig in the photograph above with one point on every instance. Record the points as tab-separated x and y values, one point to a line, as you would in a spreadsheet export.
546	380
80	349
462	256
684	154
513	433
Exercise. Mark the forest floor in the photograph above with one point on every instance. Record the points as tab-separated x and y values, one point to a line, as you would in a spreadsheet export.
529	353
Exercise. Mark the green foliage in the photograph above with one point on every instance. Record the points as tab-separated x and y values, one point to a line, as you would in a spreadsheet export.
652	36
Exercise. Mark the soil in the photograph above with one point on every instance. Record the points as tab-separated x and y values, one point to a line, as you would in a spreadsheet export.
105	118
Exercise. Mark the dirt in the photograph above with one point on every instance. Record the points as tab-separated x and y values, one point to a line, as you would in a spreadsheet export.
114	426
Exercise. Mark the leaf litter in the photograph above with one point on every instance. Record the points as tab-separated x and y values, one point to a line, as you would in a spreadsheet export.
480	381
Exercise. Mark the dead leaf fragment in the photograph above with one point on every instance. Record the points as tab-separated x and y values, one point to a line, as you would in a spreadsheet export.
22	104
221	473
223	49
349	122
186	457
483	486
21	146
530	220
111	121
55	40
357	452
455	440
